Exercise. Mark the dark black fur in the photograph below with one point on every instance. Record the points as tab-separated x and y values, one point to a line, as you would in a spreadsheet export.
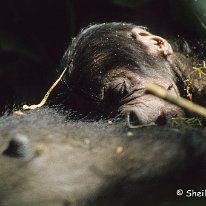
95	163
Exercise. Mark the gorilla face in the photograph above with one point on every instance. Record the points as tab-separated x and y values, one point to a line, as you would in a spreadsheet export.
110	66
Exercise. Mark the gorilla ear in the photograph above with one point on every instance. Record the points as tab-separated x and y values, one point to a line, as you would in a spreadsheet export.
155	45
161	45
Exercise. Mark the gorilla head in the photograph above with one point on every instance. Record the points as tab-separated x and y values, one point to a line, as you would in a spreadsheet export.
111	63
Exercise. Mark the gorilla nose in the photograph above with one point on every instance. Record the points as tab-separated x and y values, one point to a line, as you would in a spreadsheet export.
135	119
160	116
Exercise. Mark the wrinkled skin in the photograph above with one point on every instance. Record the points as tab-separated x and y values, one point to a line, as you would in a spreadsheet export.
110	66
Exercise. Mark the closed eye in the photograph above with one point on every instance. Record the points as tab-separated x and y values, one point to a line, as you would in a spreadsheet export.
121	88
117	90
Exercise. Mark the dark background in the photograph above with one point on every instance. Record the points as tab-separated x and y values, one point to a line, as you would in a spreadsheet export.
35	33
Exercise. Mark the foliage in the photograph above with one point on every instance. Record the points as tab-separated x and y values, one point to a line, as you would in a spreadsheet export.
130	3
182	122
198	70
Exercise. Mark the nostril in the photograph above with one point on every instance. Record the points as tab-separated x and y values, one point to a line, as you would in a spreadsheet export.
161	119
133	118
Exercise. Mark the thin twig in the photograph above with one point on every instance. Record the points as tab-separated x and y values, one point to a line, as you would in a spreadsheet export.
43	101
177	100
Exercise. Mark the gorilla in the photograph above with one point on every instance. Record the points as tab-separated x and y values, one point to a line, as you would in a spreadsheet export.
109	66
49	158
